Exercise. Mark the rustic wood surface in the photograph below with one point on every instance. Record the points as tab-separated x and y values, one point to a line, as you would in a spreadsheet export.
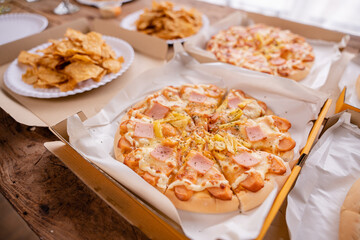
45	193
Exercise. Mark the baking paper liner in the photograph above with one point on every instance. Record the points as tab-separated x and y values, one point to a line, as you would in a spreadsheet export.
313	210
94	137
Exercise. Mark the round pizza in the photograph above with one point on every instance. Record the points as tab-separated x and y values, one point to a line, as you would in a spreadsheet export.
265	49
206	149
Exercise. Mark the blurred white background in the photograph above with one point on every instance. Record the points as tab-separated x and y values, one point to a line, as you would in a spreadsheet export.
339	15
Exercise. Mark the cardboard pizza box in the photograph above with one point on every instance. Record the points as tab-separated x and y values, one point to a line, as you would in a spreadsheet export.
119	197
44	112
112	189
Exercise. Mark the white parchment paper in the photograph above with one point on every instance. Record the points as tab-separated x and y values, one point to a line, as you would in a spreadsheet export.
325	52
94	137
348	80
313	210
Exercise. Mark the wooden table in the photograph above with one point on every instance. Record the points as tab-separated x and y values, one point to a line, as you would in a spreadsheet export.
44	192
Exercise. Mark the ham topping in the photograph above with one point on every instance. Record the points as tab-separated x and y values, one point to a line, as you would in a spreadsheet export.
255	133
233	102
161	153
245	159
144	130
197	97
157	111
200	163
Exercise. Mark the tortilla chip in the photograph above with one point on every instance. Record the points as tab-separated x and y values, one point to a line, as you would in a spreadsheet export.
67	86
30	76
50	76
75	35
165	22
28	58
80	57
92	43
100	76
80	71
112	65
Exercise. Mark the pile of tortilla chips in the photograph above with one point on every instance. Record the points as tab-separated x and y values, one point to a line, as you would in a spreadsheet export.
67	62
164	22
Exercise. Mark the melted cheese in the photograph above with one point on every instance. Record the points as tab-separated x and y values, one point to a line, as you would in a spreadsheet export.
152	166
198	187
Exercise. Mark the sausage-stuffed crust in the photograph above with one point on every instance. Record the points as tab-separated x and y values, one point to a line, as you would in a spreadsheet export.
175	140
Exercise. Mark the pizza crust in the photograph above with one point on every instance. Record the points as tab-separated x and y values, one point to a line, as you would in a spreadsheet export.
250	200
349	227
117	151
299	75
288	157
203	202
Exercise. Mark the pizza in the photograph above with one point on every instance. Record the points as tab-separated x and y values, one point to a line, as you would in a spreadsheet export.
207	149
265	49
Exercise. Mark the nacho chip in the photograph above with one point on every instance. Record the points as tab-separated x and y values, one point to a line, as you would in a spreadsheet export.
100	76
80	71
112	65
50	76
28	58
81	57
92	43
74	35
30	76
67	86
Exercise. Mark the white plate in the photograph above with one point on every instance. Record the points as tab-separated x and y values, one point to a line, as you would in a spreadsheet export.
129	23
12	76
18	25
100	3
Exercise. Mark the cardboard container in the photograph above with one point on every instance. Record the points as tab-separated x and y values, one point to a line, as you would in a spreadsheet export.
41	112
117	203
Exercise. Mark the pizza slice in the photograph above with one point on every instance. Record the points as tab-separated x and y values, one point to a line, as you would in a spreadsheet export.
252	174
268	133
159	118
201	101
154	164
200	186
235	106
